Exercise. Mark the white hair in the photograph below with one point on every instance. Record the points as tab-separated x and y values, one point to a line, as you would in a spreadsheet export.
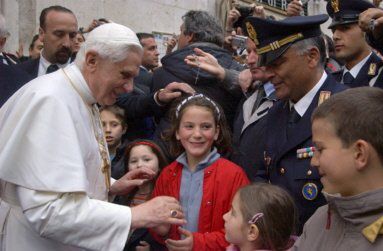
111	41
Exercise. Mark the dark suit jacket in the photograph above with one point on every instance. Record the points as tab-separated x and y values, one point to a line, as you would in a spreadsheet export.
284	168
31	67
11	79
364	76
249	142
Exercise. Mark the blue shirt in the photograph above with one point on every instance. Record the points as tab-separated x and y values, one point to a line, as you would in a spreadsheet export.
192	187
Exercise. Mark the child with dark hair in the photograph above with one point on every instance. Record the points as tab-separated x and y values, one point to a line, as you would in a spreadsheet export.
138	154
347	133
262	217
114	125
200	178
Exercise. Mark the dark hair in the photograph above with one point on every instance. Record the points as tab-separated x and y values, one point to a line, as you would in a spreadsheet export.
279	214
162	162
45	12
35	37
117	111
142	35
175	147
355	114
203	26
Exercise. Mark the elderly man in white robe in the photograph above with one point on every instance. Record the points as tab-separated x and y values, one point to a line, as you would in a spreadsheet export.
54	169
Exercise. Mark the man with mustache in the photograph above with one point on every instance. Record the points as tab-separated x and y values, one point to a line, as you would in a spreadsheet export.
58	29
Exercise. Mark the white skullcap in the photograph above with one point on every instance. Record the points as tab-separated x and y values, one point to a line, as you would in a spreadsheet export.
113	32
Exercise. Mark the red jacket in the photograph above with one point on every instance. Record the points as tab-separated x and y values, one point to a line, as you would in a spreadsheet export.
220	183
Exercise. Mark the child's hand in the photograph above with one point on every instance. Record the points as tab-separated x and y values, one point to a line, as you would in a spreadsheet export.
131	180
181	245
162	230
144	246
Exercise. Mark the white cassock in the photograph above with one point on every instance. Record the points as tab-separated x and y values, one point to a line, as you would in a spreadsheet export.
53	193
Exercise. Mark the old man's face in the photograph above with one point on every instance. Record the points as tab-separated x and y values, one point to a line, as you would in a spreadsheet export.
108	79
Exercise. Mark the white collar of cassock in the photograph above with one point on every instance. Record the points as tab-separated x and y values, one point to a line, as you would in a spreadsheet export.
79	83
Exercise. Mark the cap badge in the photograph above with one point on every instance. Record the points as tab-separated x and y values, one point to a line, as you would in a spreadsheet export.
252	33
335	5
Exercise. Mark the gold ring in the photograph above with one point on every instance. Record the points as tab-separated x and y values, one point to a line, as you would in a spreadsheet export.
173	213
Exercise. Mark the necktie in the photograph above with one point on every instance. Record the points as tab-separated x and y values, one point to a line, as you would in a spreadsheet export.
293	119
348	78
52	68
260	95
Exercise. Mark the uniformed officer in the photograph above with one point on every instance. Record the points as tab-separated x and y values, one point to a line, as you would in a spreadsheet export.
293	52
361	64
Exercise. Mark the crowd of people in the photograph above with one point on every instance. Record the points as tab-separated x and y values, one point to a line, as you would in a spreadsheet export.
264	134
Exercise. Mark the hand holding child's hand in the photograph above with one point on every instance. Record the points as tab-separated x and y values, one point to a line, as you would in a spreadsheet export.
131	180
181	245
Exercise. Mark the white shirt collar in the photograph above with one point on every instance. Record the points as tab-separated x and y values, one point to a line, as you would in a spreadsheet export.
77	79
44	64
356	69
303	104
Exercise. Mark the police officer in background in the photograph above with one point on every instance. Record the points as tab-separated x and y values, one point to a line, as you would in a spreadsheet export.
293	52
361	64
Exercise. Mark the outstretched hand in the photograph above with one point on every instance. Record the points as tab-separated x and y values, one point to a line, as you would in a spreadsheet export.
131	180
158	211
185	244
206	62
371	21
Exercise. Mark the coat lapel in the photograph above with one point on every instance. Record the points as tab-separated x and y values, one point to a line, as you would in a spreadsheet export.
302	130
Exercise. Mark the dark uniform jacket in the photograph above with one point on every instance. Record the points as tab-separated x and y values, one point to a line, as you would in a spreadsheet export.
282	165
368	71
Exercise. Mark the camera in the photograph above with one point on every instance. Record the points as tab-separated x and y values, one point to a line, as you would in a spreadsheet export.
239	41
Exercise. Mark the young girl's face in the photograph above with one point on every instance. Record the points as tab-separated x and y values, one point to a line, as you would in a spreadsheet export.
113	128
235	226
197	132
143	156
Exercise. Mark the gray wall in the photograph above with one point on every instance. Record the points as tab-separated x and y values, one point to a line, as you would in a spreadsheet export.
140	15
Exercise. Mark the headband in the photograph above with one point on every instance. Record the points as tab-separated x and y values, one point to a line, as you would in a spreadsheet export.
146	144
194	96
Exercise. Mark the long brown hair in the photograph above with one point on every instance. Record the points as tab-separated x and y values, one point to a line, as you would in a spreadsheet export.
177	110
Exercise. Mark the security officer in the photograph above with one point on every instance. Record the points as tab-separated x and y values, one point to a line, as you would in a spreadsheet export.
293	52
361	64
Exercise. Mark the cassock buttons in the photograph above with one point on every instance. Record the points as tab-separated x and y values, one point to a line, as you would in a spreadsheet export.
282	171
309	172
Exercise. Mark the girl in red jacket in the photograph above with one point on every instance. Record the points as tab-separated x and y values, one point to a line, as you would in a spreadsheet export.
199	178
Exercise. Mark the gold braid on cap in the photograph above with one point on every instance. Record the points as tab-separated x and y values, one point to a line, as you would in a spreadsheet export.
279	43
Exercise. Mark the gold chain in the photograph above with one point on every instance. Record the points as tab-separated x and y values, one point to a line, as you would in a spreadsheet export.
99	135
